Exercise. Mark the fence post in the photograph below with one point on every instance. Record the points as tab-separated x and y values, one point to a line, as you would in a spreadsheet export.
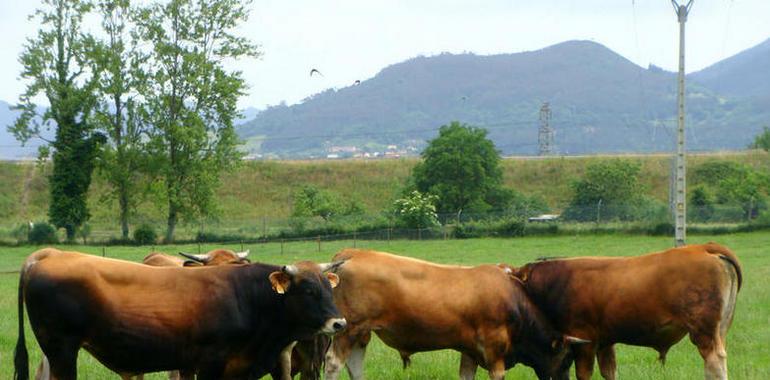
264	227
103	251
354	239
199	248
282	246
389	232
318	239
419	233
241	245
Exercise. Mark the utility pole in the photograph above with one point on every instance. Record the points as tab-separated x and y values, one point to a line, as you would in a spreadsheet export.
545	133
680	214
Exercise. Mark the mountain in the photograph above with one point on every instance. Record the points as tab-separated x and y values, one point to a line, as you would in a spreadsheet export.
10	148
746	74
600	102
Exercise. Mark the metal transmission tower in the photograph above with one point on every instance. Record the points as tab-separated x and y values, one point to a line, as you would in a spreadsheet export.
680	214
545	133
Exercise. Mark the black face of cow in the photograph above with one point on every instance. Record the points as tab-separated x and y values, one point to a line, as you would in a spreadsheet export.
308	298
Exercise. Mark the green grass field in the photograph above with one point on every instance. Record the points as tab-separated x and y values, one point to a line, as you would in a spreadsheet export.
748	343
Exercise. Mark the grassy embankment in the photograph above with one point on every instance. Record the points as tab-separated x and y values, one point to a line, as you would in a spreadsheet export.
749	353
261	192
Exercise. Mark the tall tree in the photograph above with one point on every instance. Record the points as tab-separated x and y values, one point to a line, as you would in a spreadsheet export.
59	65
191	98
119	84
762	141
461	167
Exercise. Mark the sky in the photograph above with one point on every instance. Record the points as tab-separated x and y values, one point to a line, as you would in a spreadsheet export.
349	40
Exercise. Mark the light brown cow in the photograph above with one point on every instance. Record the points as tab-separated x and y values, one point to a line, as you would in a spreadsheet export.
414	306
652	300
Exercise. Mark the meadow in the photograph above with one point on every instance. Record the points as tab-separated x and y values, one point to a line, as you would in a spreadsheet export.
747	343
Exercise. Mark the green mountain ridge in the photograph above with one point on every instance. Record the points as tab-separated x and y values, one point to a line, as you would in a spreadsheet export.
600	102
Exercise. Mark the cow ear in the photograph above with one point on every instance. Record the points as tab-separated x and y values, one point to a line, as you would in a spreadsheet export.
334	280
280	282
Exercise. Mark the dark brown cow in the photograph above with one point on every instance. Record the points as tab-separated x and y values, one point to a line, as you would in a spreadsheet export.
652	300
223	322
415	306
158	259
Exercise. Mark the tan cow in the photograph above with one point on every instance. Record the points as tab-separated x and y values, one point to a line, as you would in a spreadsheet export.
652	300
414	306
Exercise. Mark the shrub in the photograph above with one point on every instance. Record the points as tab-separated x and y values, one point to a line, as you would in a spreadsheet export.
145	235
416	210
43	233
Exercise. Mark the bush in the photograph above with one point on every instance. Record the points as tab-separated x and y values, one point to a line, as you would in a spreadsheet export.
416	210
145	235
43	233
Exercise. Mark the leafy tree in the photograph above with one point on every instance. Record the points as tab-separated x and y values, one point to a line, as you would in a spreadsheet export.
117	114
461	167
416	210
701	206
735	185
310	201
611	187
191	99
762	141
59	64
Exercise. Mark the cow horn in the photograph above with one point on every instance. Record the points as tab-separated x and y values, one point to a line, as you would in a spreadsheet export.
290	270
199	258
574	339
243	254
325	267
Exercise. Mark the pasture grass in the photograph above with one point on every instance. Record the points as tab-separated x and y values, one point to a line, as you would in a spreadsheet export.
748	341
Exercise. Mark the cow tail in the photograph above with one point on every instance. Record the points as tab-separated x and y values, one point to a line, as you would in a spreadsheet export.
727	255
20	354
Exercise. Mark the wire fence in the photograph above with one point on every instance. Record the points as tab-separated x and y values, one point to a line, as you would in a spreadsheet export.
647	218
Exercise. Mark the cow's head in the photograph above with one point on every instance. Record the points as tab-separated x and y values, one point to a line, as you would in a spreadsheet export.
217	257
307	288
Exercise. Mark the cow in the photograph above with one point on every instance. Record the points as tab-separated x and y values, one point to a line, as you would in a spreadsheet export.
652	300
158	259
221	322
414	306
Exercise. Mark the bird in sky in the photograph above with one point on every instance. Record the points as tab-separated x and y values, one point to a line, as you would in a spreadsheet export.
315	71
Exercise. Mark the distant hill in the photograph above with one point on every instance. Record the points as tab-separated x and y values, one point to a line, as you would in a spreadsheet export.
600	102
10	148
746	74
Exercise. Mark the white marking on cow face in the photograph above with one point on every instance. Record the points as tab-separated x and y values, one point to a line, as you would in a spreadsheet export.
333	326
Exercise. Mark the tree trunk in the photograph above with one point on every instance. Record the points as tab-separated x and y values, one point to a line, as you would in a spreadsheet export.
70	230
172	219
123	201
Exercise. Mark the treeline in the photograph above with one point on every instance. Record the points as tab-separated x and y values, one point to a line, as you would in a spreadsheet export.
145	100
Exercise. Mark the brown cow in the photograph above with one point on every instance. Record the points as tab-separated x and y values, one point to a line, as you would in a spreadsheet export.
414	306
158	259
224	322
652	300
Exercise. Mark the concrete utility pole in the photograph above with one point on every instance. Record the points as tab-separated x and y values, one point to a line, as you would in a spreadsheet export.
680	194
545	133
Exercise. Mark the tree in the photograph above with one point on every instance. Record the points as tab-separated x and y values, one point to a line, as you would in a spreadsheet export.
608	188
461	167
191	99
416	210
59	64
117	114
310	201
762	141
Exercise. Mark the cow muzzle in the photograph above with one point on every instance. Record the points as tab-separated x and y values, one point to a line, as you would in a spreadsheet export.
333	326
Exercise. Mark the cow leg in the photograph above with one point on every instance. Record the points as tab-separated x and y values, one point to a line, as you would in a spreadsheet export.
43	370
63	363
467	367
607	364
182	375
584	361
712	350
285	363
355	362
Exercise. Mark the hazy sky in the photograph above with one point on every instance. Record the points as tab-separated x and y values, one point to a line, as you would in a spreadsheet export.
349	40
